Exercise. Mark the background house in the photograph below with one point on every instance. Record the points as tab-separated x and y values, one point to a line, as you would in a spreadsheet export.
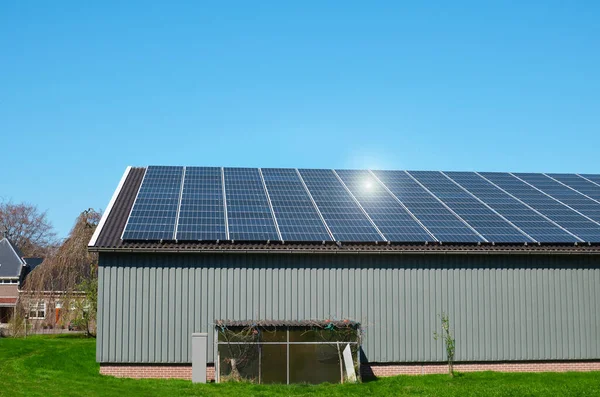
512	259
13	271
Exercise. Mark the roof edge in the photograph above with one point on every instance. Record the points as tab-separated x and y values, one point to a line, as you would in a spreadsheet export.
111	203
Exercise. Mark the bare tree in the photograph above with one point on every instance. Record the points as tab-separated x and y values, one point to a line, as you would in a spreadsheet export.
71	274
27	227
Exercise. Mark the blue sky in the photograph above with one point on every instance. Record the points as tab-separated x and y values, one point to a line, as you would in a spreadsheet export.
86	90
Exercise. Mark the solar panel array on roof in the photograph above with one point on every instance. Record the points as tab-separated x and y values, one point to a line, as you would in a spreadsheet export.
250	204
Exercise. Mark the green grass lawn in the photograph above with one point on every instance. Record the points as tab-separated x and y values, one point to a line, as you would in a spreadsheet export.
65	366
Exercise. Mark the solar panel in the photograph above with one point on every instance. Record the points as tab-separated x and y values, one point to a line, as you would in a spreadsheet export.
344	217
526	219
488	223
202	213
248	211
438	219
573	199
390	216
297	217
559	213
592	178
154	212
579	183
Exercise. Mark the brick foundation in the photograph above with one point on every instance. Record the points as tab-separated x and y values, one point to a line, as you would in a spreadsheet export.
378	370
140	371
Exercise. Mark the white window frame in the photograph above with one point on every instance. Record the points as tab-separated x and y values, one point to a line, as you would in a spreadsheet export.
9	281
35	307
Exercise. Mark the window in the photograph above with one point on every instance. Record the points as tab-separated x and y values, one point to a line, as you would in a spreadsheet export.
37	310
9	281
285	354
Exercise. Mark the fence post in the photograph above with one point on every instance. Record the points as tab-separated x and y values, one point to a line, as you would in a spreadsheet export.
199	357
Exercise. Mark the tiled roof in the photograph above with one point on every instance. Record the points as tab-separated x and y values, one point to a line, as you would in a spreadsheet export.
109	239
11	262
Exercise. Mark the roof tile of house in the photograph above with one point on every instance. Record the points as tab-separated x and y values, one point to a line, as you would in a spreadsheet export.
11	262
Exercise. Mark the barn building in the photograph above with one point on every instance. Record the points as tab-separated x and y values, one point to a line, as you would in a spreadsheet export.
291	263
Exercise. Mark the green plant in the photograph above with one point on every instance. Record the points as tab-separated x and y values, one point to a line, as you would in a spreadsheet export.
65	366
16	325
85	309
449	342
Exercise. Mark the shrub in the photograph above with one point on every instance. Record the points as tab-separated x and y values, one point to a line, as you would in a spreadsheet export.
449	342
16	325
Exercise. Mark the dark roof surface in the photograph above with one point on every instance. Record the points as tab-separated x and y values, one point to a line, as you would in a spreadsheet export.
11	262
32	263
109	238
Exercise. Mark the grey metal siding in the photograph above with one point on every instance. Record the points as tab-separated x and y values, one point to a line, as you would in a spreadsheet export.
501	307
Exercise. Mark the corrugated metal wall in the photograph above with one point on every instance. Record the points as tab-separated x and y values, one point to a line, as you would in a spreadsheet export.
500	307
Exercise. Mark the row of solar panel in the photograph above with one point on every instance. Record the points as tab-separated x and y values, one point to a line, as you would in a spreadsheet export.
250	204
